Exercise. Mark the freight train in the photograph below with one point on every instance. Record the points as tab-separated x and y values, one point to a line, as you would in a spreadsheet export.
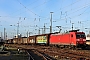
72	38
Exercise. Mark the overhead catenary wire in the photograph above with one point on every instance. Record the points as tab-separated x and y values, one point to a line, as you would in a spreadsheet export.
67	6
42	4
34	7
22	7
85	6
64	8
26	8
67	15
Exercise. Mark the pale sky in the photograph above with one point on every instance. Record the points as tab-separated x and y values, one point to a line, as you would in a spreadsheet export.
30	13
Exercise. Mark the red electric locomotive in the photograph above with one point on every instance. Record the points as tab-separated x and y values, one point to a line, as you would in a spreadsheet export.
73	38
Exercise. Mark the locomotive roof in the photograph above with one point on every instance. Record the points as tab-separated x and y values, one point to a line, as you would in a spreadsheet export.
45	34
74	30
68	33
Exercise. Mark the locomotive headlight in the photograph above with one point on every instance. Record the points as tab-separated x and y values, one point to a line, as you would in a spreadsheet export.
78	39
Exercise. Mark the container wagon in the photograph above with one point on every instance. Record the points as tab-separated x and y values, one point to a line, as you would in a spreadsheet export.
70	39
24	40
15	40
43	39
10	41
19	40
32	40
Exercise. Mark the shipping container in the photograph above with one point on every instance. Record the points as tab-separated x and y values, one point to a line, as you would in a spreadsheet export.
43	39
19	40
31	40
24	40
15	40
10	41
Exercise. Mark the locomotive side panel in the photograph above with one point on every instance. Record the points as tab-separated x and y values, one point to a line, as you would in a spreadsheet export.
60	39
63	39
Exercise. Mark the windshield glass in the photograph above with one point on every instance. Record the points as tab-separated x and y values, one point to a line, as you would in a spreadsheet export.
80	35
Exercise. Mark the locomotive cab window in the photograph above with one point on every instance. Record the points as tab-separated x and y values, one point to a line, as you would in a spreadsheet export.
80	35
83	35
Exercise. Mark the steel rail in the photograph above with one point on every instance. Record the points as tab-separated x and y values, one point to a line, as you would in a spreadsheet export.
30	57
46	57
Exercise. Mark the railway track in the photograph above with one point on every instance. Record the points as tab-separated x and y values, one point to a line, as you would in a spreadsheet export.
30	56
33	56
71	54
44	55
66	53
50	53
